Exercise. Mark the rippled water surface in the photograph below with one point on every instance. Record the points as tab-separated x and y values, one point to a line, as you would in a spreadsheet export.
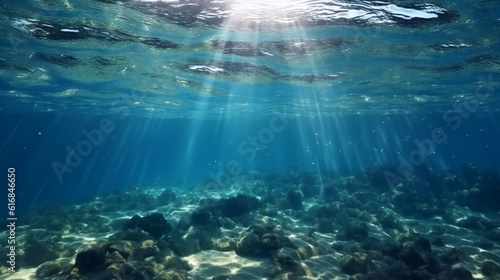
211	58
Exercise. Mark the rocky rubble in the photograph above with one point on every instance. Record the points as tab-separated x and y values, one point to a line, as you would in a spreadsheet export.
292	225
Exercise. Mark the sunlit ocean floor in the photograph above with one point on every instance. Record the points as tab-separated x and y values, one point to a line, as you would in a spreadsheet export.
272	226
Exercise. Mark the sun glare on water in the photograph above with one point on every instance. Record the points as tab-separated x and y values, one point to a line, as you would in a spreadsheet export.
266	13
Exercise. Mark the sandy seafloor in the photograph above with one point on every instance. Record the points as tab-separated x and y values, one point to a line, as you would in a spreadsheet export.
329	222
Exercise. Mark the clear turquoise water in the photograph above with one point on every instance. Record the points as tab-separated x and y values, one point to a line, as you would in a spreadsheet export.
186	83
219	59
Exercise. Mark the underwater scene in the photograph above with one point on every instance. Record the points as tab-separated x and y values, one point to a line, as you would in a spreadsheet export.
240	139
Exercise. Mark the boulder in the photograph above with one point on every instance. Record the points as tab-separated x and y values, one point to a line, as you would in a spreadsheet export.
155	224
491	269
166	197
201	215
262	241
238	205
114	257
47	269
135	234
458	272
126	248
356	263
90	258
416	253
353	230
248	245
186	244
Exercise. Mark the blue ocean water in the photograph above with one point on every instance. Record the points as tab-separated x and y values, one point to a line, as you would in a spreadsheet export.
149	151
103	96
184	83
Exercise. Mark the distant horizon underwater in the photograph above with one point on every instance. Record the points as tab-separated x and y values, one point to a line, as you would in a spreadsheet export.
188	139
70	167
